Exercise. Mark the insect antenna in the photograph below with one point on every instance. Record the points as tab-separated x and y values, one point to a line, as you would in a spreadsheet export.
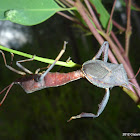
134	78
9	87
135	74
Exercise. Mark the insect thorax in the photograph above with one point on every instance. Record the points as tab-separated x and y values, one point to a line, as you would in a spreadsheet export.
105	75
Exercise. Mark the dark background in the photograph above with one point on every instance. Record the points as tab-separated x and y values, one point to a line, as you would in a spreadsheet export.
43	114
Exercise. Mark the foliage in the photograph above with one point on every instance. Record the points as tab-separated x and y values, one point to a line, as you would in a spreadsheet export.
28	12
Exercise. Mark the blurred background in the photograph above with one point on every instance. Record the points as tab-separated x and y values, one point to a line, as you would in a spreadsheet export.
43	114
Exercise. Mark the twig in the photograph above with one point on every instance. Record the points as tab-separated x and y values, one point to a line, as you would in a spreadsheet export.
41	59
73	19
122	29
117	42
110	19
66	16
68	1
93	15
81	11
128	29
64	5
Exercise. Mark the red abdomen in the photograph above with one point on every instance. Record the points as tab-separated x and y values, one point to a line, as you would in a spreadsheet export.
58	79
32	83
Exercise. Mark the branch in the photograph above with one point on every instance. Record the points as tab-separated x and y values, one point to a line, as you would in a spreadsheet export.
128	29
110	19
41	59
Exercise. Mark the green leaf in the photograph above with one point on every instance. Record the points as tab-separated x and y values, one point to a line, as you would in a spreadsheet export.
28	12
102	12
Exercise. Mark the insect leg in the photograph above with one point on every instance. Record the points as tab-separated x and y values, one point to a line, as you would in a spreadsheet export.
104	49
12	58
9	87
9	67
37	71
102	105
52	65
22	67
67	61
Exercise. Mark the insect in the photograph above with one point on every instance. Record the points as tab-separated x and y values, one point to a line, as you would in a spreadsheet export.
98	72
34	82
104	75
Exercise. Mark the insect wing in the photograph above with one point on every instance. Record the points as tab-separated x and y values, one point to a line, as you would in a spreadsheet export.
95	69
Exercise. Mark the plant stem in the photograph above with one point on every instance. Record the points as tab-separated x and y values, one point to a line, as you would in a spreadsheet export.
128	29
41	59
122	29
92	28
110	19
94	19
66	16
117	42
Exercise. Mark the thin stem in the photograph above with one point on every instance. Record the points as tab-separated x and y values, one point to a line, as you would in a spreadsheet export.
69	1
41	59
60	3
117	42
93	15
92	28
66	16
68	9
64	5
128	29
72	19
80	8
122	29
110	19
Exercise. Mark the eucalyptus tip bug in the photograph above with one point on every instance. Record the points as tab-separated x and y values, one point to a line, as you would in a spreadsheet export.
104	75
